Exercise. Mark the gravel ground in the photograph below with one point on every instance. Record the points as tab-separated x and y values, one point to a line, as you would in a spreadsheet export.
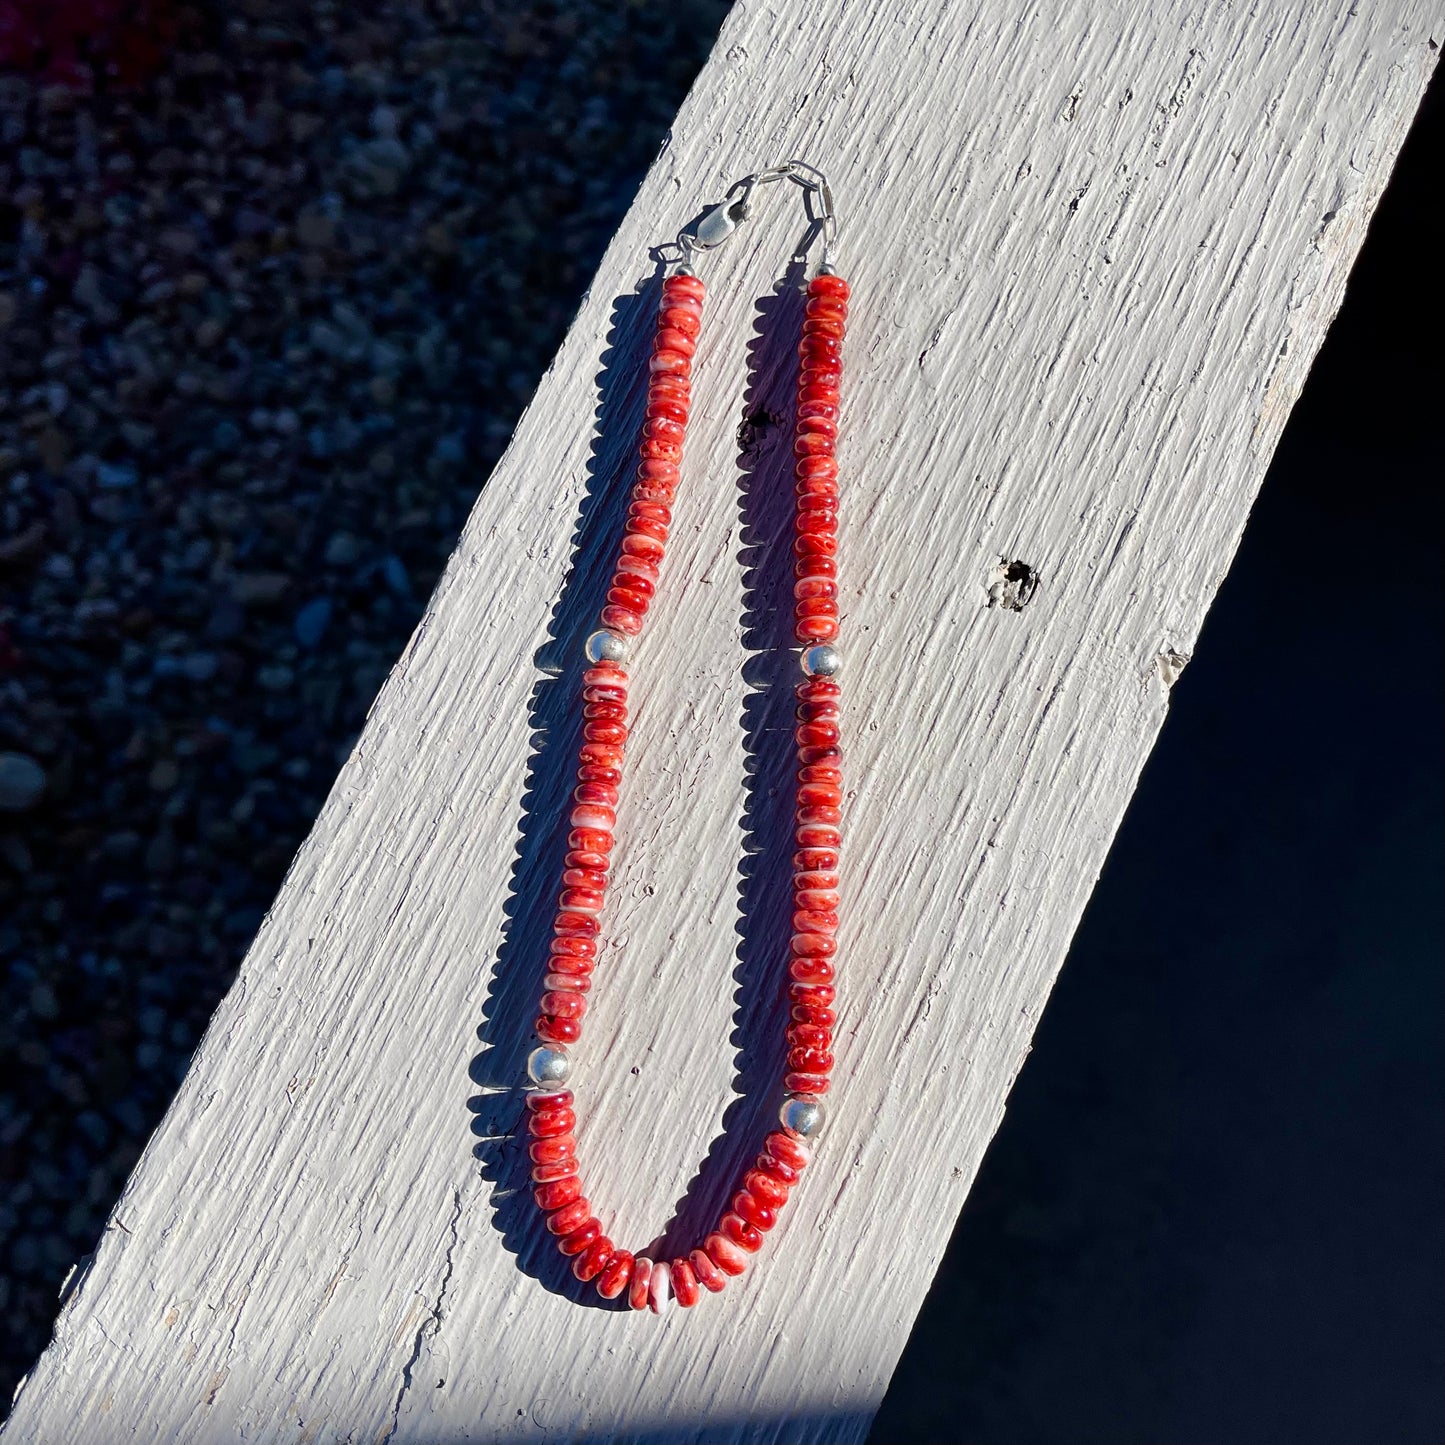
265	325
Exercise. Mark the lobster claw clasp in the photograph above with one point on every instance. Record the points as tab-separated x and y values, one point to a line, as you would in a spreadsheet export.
718	222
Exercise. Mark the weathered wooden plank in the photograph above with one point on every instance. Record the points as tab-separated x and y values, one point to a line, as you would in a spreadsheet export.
1093	255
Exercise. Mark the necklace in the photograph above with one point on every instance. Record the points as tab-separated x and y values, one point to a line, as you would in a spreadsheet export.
551	1120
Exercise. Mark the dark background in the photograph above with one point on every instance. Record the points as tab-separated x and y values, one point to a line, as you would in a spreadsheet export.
271	300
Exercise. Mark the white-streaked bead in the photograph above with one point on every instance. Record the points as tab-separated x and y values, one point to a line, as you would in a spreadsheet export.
801	1116
659	1287
605	646
824	660
548	1067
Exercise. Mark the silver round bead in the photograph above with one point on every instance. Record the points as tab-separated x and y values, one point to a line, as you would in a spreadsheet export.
605	646
822	661
547	1067
801	1116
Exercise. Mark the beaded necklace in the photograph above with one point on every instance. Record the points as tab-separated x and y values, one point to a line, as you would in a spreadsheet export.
551	1122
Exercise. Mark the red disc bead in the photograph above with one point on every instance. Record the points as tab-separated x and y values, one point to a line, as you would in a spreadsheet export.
553	1030
709	1276
810	423
581	900
810	1061
814	1015
592	773
685	285
663	429
765	1188
594	1259
754	1211
572	1215
666	387
542	1099
568	1005
816	629
636	545
811	970
822	520
816	880
579	1239
803	945
638	566
806	1083
815	920
575	925
775	1169
816	606
585	877
826	283
822	374
550	1173
592	840
813	688
814	995
807	587
817	734
628	599
680	317
565	966
558	1192
628	622
615	1275
641	1279
729	1257
676	363
816	468
815	566
553	1151
788	1149
808	1036
744	1235
660	450
684	1284
548	1123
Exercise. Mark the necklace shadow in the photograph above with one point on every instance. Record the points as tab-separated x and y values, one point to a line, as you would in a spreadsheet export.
765	512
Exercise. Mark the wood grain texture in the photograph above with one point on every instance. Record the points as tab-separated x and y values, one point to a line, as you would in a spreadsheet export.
1094	250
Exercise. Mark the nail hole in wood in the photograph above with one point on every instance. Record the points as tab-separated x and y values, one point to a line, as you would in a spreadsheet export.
1011	585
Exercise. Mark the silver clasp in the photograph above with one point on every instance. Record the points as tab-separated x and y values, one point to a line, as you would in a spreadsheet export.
720	221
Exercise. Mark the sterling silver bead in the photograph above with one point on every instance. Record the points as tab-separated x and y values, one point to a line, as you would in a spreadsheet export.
822	661
605	646
801	1117
548	1068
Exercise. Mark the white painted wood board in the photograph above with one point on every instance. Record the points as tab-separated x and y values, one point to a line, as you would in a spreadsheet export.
1094	249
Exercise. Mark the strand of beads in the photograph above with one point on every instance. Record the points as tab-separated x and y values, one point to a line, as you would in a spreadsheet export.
551	1120
817	734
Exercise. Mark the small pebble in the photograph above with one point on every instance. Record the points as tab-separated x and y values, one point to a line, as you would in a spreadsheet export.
22	782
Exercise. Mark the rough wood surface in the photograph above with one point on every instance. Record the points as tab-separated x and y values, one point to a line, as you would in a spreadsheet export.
1094	249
